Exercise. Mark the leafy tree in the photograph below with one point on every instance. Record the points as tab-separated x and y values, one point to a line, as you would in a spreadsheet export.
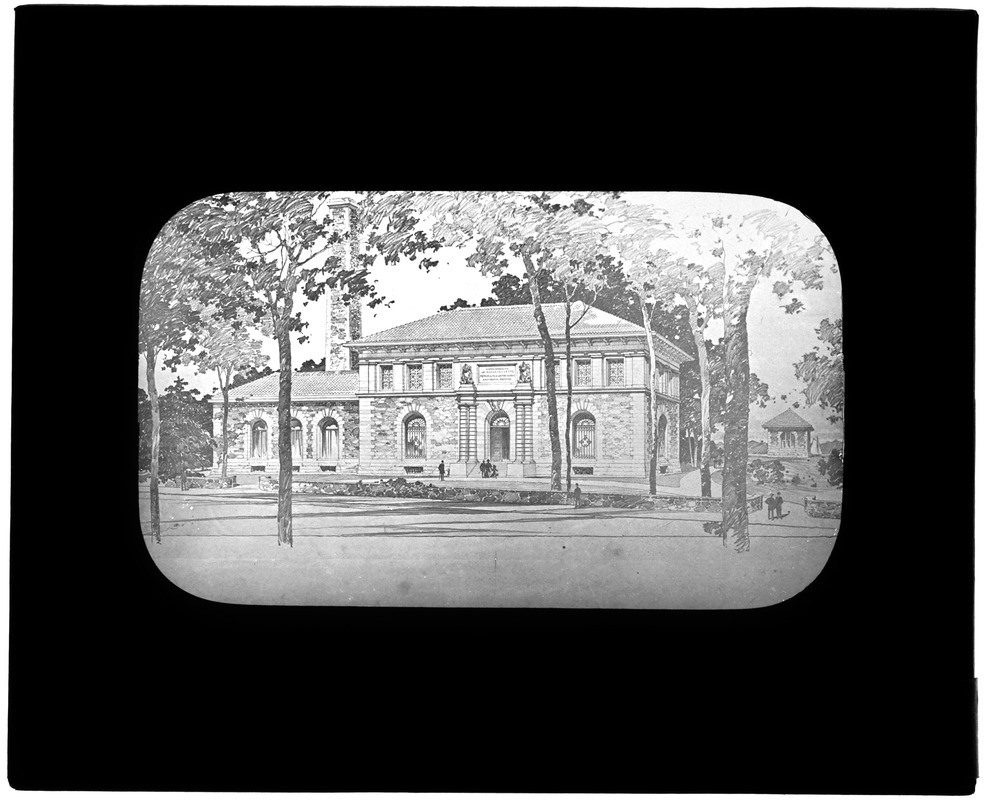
144	432
249	375
284	244
313	366
228	348
165	319
616	297
495	227
658	275
459	303
749	248
184	433
823	371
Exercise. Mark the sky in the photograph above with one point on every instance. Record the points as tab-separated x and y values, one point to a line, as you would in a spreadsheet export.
776	339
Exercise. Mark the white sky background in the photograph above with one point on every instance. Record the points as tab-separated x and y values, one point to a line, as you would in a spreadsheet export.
776	339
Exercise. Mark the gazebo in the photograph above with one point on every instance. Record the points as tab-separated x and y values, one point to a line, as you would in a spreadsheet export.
789	435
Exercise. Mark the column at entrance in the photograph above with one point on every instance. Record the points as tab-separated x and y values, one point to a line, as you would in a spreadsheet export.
524	464
467	429
472	433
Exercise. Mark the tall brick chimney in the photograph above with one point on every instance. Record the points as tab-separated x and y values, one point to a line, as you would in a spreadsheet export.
344	320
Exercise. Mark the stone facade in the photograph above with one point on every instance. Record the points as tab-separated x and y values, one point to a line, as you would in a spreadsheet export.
412	404
242	419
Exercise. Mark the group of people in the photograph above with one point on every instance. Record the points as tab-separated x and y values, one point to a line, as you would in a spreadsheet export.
774	503
487	468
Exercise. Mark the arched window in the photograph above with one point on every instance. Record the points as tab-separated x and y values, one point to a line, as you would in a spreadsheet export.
416	433
328	438
258	440
584	436
295	439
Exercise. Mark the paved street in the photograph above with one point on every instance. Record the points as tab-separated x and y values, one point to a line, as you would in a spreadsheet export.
221	545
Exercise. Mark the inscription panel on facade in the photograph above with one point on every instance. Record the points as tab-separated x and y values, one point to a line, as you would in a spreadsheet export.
497	374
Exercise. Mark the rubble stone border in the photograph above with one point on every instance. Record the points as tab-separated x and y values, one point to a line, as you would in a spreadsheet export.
400	487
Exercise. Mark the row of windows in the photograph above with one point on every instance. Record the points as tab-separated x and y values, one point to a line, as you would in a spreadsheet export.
582	372
326	439
415	377
614	375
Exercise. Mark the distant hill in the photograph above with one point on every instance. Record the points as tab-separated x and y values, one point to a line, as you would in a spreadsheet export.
757	448
826	447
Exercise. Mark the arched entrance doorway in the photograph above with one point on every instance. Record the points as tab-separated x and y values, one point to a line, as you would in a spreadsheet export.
499	437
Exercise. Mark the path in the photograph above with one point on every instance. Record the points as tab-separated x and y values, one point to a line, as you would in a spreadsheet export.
389	551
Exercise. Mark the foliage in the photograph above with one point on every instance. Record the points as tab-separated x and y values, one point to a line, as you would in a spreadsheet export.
545	233
312	366
185	430
823	370
835	469
248	375
225	343
265	249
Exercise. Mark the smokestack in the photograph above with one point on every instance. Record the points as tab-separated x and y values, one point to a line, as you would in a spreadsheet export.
344	320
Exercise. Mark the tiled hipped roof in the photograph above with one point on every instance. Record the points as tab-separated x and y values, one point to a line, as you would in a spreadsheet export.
303	386
788	419
502	322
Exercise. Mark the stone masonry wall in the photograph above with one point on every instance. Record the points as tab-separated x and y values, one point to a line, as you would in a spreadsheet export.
621	429
346	413
387	413
417	489
823	509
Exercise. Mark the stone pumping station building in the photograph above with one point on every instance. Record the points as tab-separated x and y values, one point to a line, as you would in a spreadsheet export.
463	386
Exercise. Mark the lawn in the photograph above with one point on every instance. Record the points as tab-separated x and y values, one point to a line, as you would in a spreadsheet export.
222	545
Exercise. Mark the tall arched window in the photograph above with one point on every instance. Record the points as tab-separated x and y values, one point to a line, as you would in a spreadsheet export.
295	439
661	436
416	433
328	438
584	436
258	440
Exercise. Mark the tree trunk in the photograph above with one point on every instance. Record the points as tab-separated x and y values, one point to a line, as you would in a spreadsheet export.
553	425
653	410
155	446
697	331
225	428
570	390
734	490
285	518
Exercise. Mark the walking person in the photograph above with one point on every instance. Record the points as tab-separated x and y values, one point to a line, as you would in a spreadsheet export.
440	469
577	496
779	506
770	502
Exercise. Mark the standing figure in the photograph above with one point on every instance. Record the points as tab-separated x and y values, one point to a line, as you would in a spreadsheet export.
779	506
577	496
440	469
770	501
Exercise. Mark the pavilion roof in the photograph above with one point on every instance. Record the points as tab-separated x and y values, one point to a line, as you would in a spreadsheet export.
788	420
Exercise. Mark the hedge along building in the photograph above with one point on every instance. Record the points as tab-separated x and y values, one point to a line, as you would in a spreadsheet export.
463	386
